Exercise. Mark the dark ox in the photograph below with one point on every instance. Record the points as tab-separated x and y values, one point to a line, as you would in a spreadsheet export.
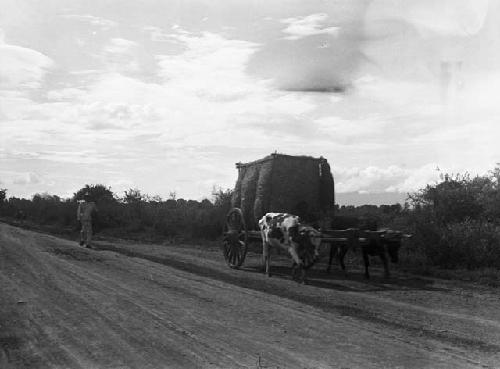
284	231
383	244
346	232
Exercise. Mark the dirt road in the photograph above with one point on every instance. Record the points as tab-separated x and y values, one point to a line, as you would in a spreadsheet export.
126	305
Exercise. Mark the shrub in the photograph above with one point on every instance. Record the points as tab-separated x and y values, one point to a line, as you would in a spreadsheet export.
455	222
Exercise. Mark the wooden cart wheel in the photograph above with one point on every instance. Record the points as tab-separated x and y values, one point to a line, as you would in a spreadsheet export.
234	245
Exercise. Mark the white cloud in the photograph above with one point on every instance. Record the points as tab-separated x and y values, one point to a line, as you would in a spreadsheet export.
76	157
121	184
100	22
417	178
28	178
391	179
159	35
205	99
342	130
13	105
211	66
69	93
16	154
421	95
25	183
372	178
22	178
120	45
449	17
306	26
21	67
431	17
22	70
121	55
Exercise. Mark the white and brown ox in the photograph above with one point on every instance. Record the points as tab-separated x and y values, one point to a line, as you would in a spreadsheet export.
284	231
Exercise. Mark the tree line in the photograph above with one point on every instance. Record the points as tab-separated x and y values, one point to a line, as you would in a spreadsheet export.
455	222
134	215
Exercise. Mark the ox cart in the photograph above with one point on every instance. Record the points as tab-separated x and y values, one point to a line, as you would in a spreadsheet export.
300	185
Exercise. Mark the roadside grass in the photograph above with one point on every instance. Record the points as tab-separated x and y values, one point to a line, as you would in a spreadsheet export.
484	276
411	260
53	229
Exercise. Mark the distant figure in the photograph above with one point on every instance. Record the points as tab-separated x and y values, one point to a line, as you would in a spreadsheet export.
86	208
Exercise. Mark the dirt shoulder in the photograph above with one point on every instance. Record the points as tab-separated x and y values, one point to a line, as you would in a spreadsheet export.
127	305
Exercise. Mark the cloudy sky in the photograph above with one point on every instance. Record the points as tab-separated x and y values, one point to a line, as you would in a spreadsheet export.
166	96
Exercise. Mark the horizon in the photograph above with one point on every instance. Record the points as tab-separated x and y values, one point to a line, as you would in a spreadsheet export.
167	96
354	198
341	199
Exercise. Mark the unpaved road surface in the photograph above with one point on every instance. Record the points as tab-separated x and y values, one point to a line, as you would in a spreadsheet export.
127	305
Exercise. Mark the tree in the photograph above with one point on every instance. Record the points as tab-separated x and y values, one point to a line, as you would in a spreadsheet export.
206	204
3	194
97	192
455	199
222	198
133	196
45	196
153	198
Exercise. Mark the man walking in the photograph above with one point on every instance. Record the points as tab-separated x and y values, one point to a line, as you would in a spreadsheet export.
86	208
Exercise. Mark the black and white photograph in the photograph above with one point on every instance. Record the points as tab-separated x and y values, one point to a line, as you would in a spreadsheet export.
225	184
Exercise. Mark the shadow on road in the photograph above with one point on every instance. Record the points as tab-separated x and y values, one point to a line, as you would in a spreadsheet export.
251	277
353	281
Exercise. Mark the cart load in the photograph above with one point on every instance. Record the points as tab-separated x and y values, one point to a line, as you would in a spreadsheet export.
301	185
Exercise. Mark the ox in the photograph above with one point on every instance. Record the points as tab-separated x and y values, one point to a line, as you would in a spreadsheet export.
345	230
344	240
383	243
284	231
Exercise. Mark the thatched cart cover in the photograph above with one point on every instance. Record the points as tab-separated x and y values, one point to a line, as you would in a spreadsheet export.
301	185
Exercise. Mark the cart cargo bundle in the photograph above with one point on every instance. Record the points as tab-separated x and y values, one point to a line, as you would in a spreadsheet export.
301	185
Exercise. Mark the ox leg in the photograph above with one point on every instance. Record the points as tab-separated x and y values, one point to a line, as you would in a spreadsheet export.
387	274
294	271
366	260
302	275
297	265
332	251
265	258
294	255
298	273
341	255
